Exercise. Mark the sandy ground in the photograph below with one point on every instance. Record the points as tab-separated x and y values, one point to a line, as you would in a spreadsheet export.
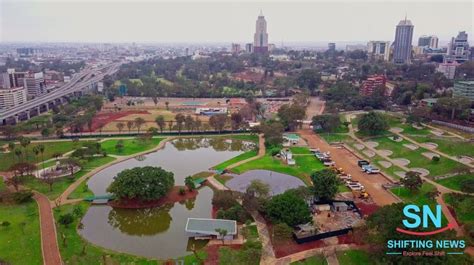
316	107
343	158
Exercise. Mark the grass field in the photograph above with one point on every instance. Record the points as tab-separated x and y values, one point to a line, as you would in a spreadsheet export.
305	165
354	257
416	158
61	184
130	146
236	159
314	260
20	242
9	159
335	137
462	204
418	198
455	182
223	178
450	146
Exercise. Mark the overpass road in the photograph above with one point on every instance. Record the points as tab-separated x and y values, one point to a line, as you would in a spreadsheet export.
85	80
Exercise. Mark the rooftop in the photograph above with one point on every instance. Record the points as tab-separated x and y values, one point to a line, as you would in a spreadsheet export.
209	226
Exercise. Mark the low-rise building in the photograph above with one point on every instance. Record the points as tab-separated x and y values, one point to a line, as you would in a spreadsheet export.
371	83
12	97
205	228
448	69
464	89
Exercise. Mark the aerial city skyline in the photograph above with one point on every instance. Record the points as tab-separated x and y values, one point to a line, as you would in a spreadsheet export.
236	133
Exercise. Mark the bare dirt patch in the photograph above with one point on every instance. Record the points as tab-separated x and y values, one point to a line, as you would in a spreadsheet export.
369	153
429	155
395	138
430	145
401	174
385	152
359	146
385	164
372	144
423	172
411	146
401	161
396	129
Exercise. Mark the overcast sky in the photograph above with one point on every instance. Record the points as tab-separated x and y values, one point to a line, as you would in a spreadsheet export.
227	21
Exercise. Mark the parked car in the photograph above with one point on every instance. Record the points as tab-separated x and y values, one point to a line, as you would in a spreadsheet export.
366	167
373	170
362	162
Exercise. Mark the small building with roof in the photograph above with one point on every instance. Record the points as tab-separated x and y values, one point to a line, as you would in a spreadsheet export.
206	228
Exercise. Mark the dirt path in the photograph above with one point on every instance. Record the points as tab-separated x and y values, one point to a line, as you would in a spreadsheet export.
261	153
348	161
49	243
316	107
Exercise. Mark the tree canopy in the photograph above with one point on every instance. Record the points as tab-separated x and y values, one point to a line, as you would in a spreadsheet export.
143	183
372	123
288	208
325	184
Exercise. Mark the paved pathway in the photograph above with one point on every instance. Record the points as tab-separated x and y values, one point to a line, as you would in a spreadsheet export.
49	243
261	153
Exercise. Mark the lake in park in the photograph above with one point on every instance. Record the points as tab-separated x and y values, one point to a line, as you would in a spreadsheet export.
158	232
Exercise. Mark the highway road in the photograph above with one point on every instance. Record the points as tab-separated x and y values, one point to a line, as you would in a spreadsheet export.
78	83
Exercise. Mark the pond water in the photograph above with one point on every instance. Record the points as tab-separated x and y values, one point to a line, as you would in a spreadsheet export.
158	232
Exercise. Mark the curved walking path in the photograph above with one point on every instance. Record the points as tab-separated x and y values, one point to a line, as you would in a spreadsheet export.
49	240
431	150
261	153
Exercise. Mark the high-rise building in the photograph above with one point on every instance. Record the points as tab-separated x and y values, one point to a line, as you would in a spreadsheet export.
458	48
11	97
10	79
249	47
379	49
260	38
464	89
331	47
235	48
402	46
428	41
33	82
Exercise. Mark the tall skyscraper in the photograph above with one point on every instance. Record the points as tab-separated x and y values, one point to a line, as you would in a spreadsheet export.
379	49
331	47
402	45
260	38
458	48
428	41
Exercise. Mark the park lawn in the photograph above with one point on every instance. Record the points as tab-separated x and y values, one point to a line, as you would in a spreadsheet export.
451	146
20	245
130	146
252	232
297	150
63	183
354	257
418	198
455	181
454	201
314	260
342	188
305	165
223	178
444	166
9	159
236	159
3	186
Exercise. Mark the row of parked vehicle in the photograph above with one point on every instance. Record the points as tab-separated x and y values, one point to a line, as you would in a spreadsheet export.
367	167
324	157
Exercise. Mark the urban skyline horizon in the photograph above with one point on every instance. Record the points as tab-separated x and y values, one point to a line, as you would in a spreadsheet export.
286	23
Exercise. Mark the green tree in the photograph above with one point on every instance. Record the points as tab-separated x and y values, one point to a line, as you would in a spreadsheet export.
160	121
288	208
291	115
130	125
189	182
326	123
142	183
236	120
222	234
120	126
218	121
139	122
256	195
412	181
372	123
273	132
282	231
66	219
45	132
325	184
179	118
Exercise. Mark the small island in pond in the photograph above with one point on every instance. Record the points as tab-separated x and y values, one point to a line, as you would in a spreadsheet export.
146	187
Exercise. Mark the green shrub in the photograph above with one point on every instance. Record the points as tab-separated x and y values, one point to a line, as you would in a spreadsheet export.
66	219
22	196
